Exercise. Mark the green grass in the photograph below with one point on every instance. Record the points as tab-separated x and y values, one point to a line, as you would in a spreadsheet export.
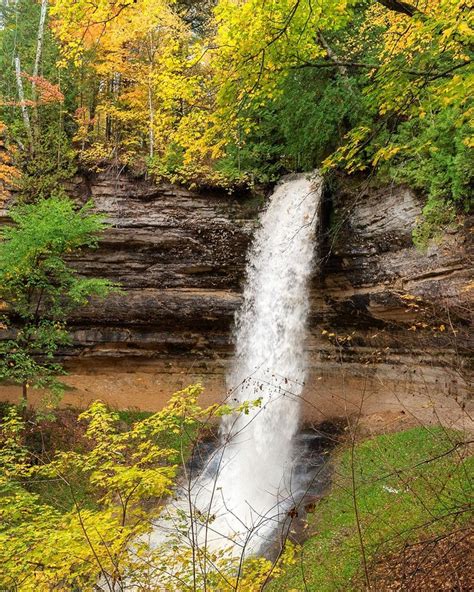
407	485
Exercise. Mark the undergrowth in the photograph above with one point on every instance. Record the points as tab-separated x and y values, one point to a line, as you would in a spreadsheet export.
406	486
62	432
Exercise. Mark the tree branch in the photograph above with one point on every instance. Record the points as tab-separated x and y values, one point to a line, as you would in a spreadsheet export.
400	6
428	75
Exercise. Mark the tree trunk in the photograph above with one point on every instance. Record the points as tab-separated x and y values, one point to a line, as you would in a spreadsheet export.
151	106
94	99
24	108
332	56
24	393
400	6
39	52
335	59
40	37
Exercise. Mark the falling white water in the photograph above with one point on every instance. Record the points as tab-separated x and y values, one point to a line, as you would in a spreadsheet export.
246	490
249	486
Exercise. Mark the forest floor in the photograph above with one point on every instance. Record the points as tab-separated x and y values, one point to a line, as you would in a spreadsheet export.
395	518
440	564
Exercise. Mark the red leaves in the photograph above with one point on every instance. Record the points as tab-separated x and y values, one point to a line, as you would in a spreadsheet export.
46	93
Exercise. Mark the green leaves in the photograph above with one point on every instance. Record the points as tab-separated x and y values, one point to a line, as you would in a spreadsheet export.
125	473
14	457
40	287
73	517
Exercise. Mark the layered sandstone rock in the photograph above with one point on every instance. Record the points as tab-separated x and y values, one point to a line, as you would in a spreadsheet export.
400	316
389	324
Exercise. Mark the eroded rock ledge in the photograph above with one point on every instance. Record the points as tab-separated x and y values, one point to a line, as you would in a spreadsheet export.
389	324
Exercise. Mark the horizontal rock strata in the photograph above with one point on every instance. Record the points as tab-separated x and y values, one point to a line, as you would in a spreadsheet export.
389	327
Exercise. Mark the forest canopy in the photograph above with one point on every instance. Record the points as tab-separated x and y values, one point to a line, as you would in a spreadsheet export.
233	92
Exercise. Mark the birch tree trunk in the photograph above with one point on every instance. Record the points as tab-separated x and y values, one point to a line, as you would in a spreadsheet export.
23	106
40	37
39	52
332	56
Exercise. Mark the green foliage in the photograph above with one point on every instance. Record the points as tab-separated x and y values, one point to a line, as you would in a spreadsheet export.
408	485
52	164
419	97
51	158
296	130
257	156
169	165
316	111
121	468
438	216
438	159
40	287
115	488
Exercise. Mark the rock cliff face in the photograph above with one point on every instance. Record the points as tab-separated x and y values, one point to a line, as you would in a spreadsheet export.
400	317
388	333
179	258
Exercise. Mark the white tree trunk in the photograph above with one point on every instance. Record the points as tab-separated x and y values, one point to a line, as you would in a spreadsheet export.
36	67
40	37
21	96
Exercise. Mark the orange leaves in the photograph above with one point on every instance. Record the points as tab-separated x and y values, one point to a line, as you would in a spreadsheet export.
46	93
84	123
9	174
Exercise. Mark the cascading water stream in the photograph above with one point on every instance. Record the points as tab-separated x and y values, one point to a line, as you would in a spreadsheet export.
248	485
247	488
251	480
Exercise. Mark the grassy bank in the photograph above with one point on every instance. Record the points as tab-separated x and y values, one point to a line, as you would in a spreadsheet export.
388	490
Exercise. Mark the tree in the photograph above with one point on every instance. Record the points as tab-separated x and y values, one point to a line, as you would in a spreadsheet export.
103	541
36	99
39	287
9	174
140	77
230	92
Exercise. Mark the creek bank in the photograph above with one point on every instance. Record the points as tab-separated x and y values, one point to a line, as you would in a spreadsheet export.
388	334
400	489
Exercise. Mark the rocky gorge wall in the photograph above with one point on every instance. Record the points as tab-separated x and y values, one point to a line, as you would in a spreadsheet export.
389	328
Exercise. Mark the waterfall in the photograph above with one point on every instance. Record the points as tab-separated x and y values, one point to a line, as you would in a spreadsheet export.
247	488
250	482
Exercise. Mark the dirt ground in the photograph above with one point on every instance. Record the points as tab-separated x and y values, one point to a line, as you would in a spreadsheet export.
377	405
443	564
